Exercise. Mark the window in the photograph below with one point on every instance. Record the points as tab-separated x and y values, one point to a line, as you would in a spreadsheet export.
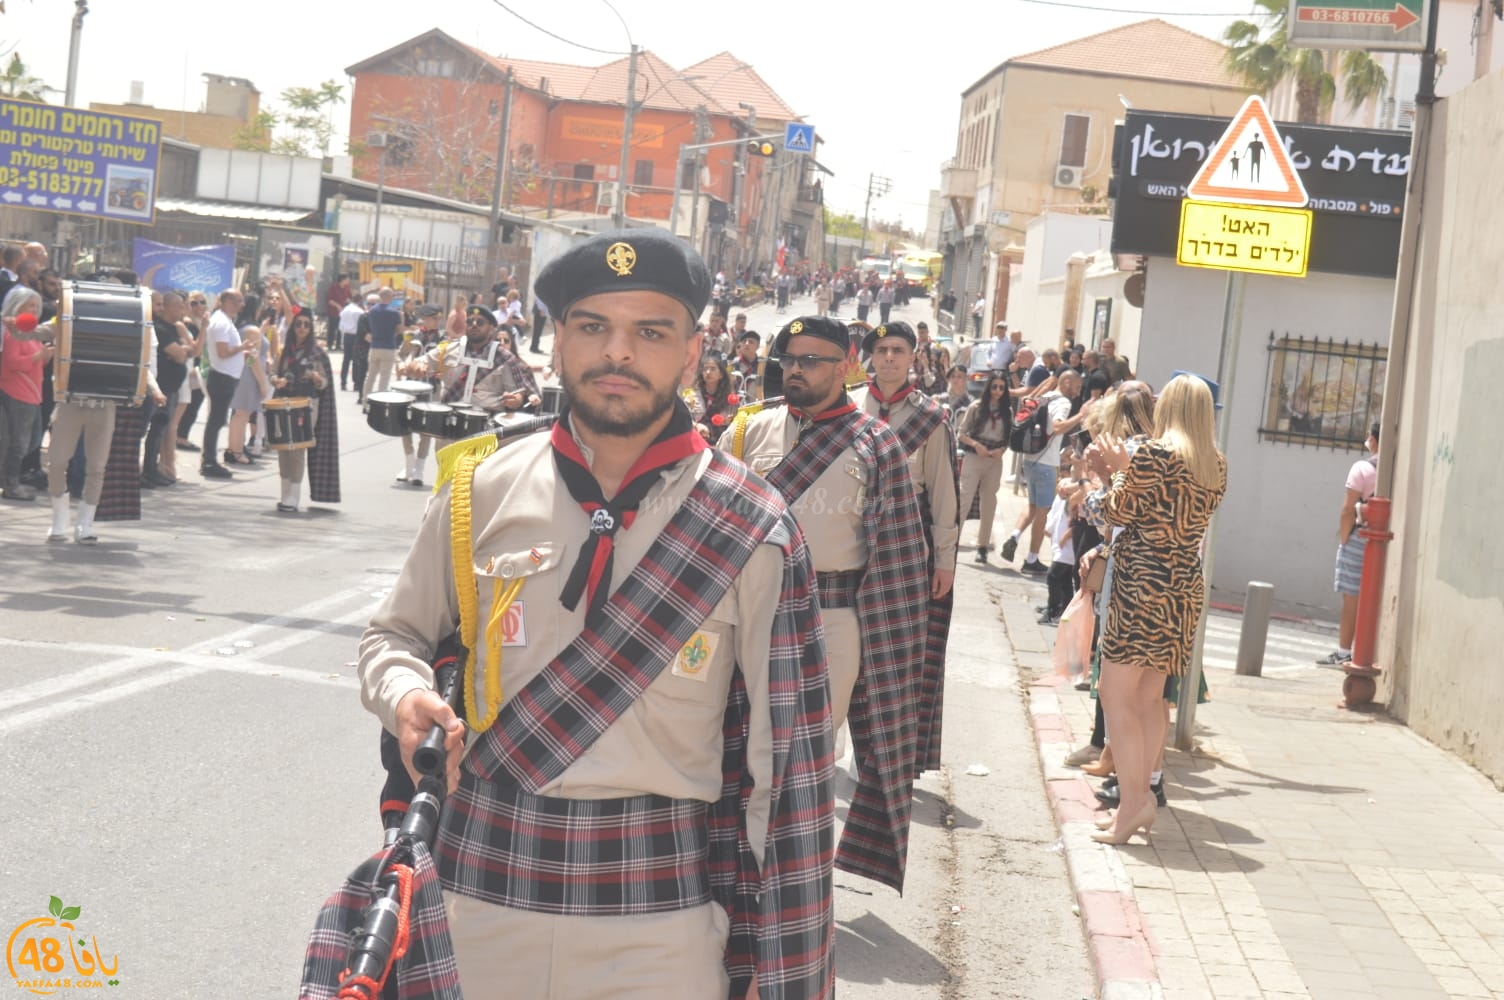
687	174
642	173
1073	140
435	67
1323	393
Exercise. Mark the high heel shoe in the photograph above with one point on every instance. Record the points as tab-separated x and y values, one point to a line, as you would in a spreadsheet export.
1143	823
1103	765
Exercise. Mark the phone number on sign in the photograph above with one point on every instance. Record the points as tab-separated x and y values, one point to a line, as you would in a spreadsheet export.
50	183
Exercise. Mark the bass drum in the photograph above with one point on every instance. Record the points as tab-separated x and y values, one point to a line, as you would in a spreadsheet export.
289	423
104	345
429	418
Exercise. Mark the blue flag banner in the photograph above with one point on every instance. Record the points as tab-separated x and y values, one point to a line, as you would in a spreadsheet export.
194	269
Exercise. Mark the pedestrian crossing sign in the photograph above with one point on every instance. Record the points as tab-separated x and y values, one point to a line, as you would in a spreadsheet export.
799	137
1249	164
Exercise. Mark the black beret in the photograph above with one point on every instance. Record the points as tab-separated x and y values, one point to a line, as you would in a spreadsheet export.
824	327
749	335
430	310
626	260
897	328
482	311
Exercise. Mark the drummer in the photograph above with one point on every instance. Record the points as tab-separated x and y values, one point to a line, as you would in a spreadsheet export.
423	338
304	371
463	367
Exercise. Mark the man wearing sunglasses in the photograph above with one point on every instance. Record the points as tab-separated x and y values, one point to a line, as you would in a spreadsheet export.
846	478
920	424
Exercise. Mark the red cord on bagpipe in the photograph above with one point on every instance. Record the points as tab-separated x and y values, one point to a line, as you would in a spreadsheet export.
364	987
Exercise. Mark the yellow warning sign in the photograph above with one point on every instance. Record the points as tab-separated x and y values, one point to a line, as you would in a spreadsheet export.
1244	238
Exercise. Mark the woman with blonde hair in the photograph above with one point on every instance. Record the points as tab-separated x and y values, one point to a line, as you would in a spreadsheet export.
1163	498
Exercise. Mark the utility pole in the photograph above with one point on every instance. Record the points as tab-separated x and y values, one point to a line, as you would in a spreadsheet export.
619	217
702	132
875	186
739	180
493	245
75	41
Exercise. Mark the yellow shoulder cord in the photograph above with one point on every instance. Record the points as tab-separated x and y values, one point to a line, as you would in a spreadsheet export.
478	716
739	427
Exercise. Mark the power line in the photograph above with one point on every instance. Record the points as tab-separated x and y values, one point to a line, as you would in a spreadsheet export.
550	34
1128	10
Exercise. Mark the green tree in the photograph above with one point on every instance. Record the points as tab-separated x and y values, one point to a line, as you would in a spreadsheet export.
303	127
18	82
256	134
842	224
1260	54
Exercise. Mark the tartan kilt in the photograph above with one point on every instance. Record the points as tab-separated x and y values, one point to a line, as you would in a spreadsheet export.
323	457
120	500
427	971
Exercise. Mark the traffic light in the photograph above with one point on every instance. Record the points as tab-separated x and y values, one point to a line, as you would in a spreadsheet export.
760	147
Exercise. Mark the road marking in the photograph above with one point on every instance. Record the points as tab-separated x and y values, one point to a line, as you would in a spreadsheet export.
139	659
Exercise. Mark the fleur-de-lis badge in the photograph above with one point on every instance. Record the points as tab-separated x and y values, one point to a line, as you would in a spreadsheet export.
882	332
621	258
797	326
694	655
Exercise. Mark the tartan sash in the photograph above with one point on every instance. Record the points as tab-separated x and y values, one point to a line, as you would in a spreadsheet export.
559	714
812	454
918	428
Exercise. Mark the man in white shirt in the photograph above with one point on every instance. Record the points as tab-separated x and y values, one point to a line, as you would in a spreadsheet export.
1041	470
977	309
349	323
226	362
1002	348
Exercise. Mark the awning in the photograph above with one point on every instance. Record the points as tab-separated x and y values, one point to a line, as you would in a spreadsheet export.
232	210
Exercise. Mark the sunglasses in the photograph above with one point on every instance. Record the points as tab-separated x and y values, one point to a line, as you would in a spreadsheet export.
790	362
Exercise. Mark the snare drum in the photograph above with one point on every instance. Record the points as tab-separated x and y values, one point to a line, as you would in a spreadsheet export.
105	342
465	421
386	412
421	391
289	423
429	418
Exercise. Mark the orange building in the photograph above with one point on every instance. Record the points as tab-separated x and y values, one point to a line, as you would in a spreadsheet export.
439	104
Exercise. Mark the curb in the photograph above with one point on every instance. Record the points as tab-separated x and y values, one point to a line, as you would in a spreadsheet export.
1117	938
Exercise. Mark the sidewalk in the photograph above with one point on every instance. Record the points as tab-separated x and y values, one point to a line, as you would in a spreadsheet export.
1307	851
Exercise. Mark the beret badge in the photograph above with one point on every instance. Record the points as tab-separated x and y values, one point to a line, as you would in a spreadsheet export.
621	258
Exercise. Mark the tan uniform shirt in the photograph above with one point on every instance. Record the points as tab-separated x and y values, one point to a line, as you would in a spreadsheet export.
443	361
525	524
933	469
830	511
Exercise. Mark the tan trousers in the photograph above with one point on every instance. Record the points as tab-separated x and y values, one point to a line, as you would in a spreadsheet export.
985	474
96	425
379	372
507	954
843	658
290	464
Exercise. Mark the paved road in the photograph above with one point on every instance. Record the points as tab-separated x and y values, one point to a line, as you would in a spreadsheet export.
184	756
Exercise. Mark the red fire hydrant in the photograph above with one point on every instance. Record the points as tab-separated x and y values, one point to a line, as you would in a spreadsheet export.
1358	688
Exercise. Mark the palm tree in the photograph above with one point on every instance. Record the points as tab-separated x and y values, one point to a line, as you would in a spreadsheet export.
1262	57
18	82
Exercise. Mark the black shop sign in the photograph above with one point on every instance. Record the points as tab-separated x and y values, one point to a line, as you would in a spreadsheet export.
1355	177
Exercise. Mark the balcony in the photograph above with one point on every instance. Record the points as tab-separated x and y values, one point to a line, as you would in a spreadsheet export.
957	182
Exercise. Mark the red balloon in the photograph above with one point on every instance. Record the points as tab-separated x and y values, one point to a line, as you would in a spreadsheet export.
26	322
733	399
718	419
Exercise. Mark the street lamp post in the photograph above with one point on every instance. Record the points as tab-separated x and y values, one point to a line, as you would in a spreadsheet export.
75	41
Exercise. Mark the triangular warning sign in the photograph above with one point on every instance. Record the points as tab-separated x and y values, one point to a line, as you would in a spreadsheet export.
1249	164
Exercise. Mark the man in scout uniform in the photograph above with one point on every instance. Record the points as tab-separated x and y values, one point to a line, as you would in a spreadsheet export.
920	424
635	816
462	366
415	346
845	477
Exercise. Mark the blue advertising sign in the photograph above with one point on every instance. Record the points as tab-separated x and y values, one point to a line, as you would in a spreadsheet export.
193	269
78	162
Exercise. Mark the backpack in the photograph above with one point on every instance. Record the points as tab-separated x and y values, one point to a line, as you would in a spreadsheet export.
1031	427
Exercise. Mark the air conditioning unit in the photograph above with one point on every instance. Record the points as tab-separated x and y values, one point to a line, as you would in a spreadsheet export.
1068	177
605	194
376	140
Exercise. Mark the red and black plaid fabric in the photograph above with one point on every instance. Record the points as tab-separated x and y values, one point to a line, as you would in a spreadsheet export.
428	970
575	857
890	607
323	457
120	499
780	916
838	590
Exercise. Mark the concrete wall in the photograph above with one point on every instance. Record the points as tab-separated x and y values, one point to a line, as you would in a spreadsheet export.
1278	522
1035	301
1104	281
1442	625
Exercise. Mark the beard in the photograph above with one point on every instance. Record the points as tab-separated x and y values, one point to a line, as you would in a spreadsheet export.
616	417
802	394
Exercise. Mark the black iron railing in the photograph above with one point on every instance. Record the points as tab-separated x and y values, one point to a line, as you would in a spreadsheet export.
1323	393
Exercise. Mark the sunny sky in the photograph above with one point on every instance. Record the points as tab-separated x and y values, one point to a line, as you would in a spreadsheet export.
880	80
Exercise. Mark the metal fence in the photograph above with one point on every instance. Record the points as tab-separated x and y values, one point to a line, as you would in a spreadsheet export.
1323	393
